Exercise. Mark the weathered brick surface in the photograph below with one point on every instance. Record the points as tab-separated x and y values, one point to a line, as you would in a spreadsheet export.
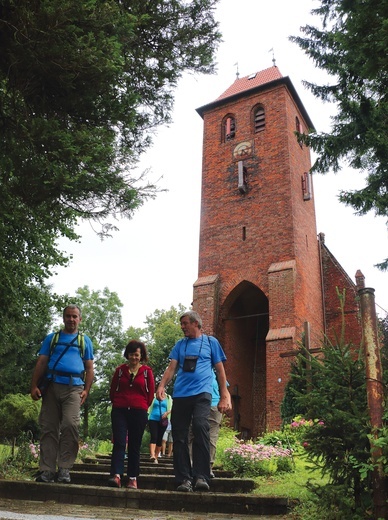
260	251
336	280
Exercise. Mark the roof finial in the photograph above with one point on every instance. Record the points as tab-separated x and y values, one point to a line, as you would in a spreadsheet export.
273	57
237	72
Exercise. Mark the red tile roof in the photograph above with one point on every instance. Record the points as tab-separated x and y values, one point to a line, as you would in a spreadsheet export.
251	81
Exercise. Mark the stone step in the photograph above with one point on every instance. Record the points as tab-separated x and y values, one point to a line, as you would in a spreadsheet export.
147	468
143	462
157	491
145	499
163	482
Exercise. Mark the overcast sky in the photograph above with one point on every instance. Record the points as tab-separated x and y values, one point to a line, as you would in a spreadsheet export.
152	261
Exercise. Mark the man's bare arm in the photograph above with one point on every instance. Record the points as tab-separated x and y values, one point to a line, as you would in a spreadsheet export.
39	371
166	378
225	403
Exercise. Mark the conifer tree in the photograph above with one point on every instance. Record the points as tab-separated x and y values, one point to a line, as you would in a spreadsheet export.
338	442
351	46
83	86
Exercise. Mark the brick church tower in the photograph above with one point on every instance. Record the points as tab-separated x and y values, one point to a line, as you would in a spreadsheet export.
260	279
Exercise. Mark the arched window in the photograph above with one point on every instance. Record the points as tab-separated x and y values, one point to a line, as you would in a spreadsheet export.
228	128
258	119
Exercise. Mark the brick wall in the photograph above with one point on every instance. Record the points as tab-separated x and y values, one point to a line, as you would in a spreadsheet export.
336	280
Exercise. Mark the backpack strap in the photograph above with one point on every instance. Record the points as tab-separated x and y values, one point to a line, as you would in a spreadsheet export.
54	372
80	341
211	348
54	341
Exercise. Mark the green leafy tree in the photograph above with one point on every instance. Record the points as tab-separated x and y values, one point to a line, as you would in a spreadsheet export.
383	327
351	47
18	413
21	336
27	256
82	87
162	332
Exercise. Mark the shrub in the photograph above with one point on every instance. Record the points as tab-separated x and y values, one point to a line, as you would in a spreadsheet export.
226	439
18	413
87	449
25	457
104	447
252	460
292	436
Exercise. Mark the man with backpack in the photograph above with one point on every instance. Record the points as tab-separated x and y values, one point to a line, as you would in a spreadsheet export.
62	377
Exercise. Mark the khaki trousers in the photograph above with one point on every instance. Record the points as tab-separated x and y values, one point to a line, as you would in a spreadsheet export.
59	423
215	419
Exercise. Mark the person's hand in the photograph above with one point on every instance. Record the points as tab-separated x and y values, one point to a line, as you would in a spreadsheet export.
225	404
83	396
35	393
160	393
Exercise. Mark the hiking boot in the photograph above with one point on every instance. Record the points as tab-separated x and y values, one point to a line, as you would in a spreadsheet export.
115	481
64	475
131	484
201	485
185	486
45	476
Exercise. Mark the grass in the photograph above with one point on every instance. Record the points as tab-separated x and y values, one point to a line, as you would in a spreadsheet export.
290	485
293	486
5	452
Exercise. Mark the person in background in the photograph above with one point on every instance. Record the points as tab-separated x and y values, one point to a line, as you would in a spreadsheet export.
192	359
70	372
131	393
167	441
158	418
215	419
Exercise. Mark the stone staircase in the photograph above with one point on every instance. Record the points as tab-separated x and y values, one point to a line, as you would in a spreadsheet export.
156	491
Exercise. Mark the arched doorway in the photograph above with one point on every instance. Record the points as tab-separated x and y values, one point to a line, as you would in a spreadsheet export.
245	323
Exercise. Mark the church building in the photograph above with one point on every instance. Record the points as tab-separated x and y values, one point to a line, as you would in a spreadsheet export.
265	277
